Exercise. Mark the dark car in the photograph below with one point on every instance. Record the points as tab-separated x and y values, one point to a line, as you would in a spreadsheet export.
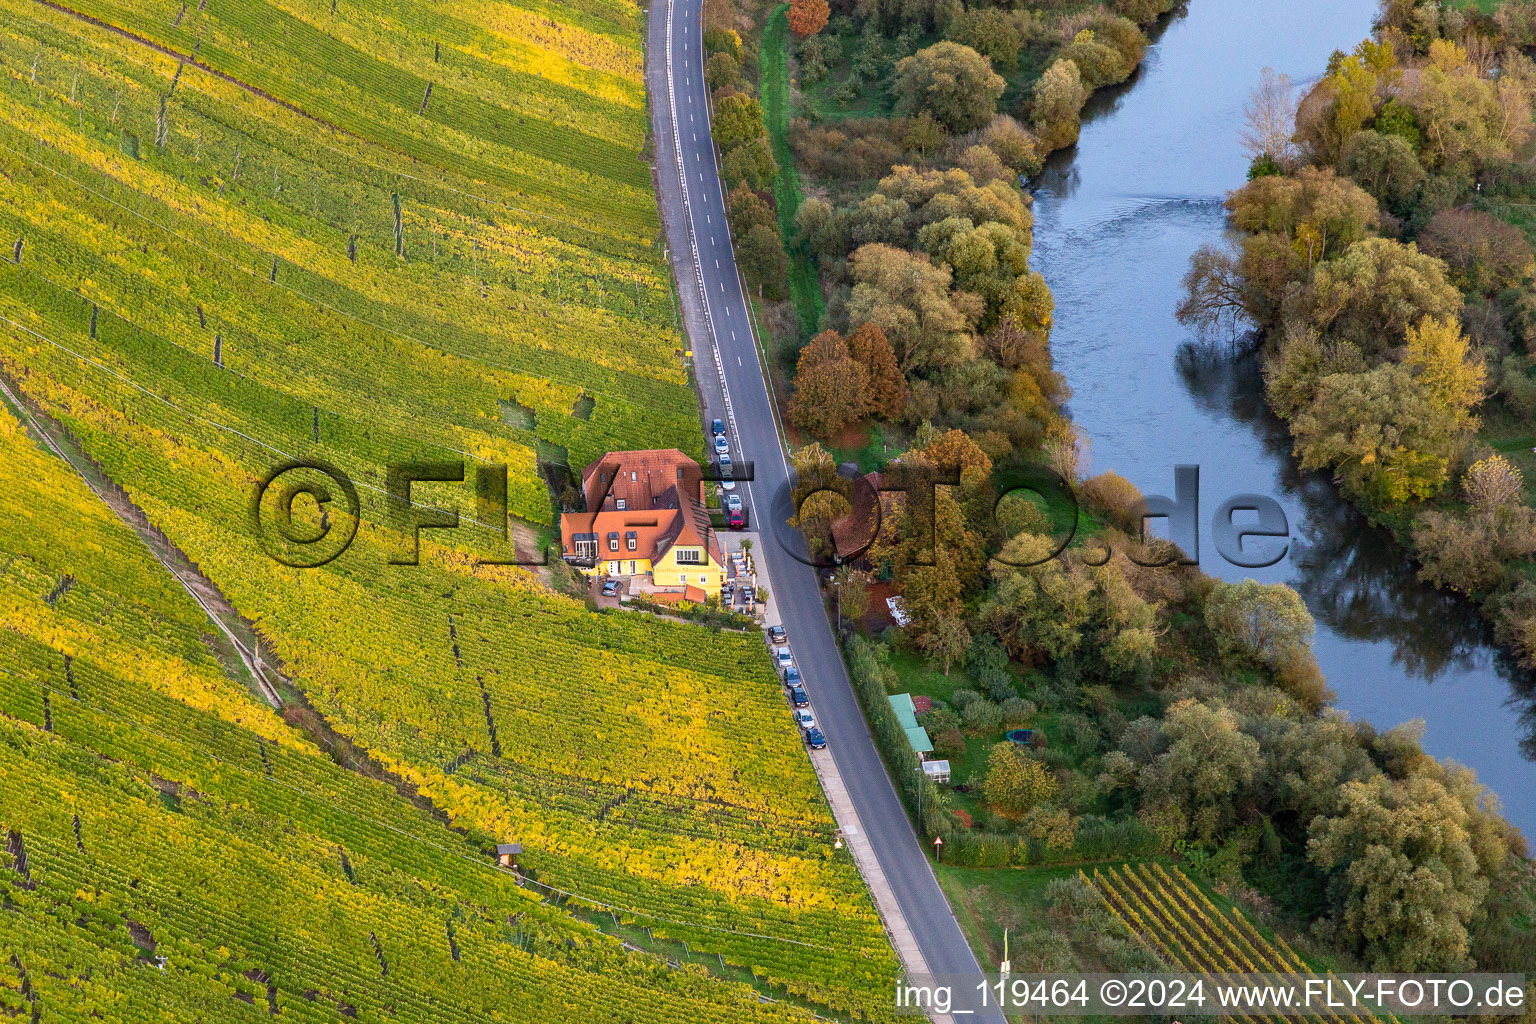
717	427
791	676
776	635
815	739
736	519
797	696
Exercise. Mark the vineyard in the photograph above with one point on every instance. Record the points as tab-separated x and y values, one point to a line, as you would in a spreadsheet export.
247	233
1190	933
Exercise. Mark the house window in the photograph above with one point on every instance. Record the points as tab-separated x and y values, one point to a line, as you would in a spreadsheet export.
586	548
703	579
613	541
620	502
689	556
631	540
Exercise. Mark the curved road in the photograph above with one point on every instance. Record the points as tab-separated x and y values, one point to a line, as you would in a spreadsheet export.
732	383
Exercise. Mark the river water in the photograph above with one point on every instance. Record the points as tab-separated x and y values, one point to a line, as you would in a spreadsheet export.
1117	219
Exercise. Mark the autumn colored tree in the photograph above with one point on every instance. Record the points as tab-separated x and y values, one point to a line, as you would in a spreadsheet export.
1016	782
807	17
1057	104
886	388
830	386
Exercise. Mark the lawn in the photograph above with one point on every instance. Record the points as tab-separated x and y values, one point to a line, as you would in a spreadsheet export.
804	287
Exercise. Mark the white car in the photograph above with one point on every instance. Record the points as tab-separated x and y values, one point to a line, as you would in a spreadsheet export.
722	446
726	470
804	719
733	502
783	657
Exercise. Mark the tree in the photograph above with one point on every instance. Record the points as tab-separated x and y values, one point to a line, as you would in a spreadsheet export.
1484	254
1378	288
752	163
721	70
820	498
1262	622
829	386
1446	370
1385	165
989	31
738	119
953	82
1270	119
1387	437
807	17
908	298
885	388
1411	858
852	592
1209	760
1056	105
948	640
1475	551
1015	781
987	663
764	261
1013	144
1318	212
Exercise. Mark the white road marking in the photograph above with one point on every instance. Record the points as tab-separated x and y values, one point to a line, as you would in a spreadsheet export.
717	264
738	358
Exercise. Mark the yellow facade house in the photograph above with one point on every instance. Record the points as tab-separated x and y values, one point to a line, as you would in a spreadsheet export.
646	521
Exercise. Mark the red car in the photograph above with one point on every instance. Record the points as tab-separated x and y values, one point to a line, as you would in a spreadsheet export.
736	519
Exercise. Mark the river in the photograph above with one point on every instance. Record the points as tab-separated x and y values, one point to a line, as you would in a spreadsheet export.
1117	219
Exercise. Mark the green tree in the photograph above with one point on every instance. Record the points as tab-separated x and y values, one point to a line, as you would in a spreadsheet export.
763	260
752	163
1016	782
1385	165
1411	858
738	119
1209	760
1378	288
953	82
1262	622
991	32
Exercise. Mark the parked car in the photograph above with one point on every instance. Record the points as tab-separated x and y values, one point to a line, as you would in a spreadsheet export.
733	502
797	697
791	676
735	519
722	446
726	469
804	719
610	588
777	635
783	656
717	427
814	739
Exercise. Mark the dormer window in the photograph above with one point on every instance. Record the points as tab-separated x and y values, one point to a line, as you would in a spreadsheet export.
631	540
613	541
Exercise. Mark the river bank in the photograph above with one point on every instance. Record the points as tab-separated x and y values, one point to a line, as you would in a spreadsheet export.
1117	219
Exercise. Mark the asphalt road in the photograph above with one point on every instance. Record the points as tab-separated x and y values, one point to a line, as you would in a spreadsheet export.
754	436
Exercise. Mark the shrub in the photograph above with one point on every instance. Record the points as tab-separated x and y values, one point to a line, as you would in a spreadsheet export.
964	698
982	716
1016	711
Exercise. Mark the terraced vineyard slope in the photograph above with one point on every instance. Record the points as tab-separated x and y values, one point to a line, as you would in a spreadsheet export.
239	234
